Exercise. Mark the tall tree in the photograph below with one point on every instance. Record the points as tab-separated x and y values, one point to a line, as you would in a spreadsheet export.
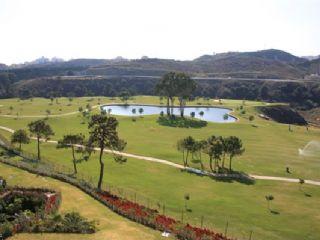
20	136
124	96
141	111
41	130
233	148
167	87
103	133
198	148
69	141
214	149
186	146
185	87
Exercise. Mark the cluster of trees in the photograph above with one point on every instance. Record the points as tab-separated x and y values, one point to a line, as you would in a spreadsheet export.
300	94
217	148
178	85
103	135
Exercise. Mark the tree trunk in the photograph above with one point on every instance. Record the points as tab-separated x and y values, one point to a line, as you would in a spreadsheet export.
172	102
223	160
74	161
187	158
211	164
230	163
101	168
38	140
201	163
181	107
184	162
168	106
19	146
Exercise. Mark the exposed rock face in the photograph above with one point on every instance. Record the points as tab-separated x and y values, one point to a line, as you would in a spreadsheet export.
283	114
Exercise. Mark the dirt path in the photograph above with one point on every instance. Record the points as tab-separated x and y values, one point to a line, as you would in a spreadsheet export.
166	162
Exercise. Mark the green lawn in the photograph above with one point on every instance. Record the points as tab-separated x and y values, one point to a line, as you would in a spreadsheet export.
270	147
244	206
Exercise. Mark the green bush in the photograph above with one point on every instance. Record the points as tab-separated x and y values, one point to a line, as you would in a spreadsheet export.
181	122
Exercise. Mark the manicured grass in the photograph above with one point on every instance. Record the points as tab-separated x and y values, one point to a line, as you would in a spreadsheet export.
243	206
110	225
270	147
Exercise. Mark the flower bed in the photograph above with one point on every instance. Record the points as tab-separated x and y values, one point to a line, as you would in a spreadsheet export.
42	199
152	218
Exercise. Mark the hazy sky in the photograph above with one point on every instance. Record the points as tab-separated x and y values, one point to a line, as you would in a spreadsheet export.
180	29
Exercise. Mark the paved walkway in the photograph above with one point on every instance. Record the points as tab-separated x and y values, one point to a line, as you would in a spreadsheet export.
166	162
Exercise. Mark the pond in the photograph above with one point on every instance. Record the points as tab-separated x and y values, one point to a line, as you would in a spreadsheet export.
210	114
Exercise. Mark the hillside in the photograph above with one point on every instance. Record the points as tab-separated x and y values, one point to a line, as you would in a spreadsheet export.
273	64
298	93
311	67
3	66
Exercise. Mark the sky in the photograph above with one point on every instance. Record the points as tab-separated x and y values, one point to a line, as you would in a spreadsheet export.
175	29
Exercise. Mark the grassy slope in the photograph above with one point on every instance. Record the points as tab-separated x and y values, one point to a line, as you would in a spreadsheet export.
269	148
242	205
110	225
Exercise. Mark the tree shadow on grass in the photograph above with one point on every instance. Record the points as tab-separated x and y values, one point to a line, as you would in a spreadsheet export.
239	177
274	212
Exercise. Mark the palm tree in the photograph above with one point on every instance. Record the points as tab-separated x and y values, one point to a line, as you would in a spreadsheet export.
20	136
186	199
42	130
201	113
186	146
166	87
141	111
269	198
124	96
214	149
103	133
69	141
233	147
185	86
301	182
198	148
192	114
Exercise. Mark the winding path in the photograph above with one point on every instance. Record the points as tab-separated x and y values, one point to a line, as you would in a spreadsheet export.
179	166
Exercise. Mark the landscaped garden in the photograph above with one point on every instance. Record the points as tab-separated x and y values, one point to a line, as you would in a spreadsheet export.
239	207
33	210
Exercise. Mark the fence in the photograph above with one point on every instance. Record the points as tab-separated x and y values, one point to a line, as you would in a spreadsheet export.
86	182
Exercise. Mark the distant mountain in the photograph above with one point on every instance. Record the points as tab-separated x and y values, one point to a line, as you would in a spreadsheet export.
3	66
271	64
311	67
270	54
310	58
261	64
276	55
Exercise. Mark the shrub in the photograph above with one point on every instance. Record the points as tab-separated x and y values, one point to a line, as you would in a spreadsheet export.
174	121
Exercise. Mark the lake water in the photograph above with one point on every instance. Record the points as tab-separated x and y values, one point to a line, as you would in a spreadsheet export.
211	114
